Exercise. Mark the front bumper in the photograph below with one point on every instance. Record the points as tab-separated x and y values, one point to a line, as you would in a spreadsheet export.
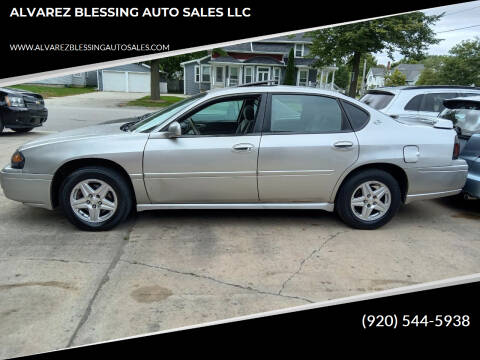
15	118
30	189
436	181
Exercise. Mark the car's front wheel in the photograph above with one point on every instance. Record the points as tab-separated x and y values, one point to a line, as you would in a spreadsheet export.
95	198
368	199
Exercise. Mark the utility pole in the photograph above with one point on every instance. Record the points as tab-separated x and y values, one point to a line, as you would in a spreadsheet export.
362	91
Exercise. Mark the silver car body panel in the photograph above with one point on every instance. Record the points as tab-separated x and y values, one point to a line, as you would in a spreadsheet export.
275	171
201	169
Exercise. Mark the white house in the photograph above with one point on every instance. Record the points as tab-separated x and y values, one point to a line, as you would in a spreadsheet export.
376	75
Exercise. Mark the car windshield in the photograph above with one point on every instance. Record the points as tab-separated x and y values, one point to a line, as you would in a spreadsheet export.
466	120
377	100
157	118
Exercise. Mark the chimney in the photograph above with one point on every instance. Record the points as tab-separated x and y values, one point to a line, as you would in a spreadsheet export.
388	66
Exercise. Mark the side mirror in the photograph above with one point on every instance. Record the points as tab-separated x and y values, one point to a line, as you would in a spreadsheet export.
174	130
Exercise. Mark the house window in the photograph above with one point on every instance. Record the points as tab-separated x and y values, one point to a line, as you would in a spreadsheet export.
197	73
302	77
299	50
206	73
234	76
78	75
263	73
276	75
248	74
219	74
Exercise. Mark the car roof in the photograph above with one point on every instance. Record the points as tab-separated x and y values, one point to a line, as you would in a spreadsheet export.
423	88
276	89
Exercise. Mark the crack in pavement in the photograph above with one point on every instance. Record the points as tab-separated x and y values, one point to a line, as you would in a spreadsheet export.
103	281
57	260
302	263
206	277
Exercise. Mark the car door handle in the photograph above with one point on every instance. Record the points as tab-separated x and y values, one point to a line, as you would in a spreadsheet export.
244	147
343	145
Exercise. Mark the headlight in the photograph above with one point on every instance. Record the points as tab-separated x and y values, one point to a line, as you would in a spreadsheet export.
18	160
14	101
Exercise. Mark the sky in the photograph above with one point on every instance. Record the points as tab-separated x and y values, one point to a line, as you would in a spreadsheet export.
456	16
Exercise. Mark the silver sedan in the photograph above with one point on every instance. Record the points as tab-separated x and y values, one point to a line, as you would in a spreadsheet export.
256	147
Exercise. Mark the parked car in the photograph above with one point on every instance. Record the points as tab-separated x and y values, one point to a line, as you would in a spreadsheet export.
465	114
415	101
251	147
21	110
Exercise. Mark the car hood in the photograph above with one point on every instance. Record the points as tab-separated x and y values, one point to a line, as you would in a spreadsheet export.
96	131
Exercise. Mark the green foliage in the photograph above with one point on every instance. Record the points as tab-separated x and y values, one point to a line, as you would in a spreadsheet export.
409	34
290	71
171	65
461	67
397	78
219	52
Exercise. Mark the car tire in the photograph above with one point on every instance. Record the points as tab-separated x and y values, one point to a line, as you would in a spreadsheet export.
362	204
22	130
2	126
95	198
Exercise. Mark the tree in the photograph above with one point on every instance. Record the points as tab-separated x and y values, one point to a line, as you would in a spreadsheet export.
458	68
155	79
397	78
462	67
171	65
290	71
432	73
409	34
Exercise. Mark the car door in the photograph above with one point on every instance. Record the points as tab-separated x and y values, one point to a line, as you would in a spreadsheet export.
215	158
307	143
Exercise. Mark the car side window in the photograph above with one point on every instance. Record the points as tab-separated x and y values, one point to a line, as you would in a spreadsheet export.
414	103
229	117
306	114
358	117
434	102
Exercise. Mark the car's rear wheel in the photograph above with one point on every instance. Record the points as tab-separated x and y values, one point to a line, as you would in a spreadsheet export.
369	199
23	130
95	198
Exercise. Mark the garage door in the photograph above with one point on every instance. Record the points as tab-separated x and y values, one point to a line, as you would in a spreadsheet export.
114	81
139	82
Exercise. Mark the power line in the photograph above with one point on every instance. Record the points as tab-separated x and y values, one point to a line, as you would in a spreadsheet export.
467	27
456	12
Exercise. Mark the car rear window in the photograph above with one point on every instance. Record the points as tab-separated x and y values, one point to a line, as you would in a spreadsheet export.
414	103
358	117
306	114
434	102
377	100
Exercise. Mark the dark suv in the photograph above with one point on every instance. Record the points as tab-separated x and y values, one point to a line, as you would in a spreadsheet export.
21	110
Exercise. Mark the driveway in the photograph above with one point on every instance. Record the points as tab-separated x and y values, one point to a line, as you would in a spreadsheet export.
76	111
163	269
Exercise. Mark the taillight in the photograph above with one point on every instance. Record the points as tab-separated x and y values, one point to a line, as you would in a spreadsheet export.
456	148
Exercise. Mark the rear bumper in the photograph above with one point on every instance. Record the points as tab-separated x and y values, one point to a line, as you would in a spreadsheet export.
437	181
30	189
472	186
15	118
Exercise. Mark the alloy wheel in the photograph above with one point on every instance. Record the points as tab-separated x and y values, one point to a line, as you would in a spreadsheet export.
371	200
93	201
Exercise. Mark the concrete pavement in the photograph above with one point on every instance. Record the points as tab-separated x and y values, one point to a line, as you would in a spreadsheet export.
163	269
76	111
